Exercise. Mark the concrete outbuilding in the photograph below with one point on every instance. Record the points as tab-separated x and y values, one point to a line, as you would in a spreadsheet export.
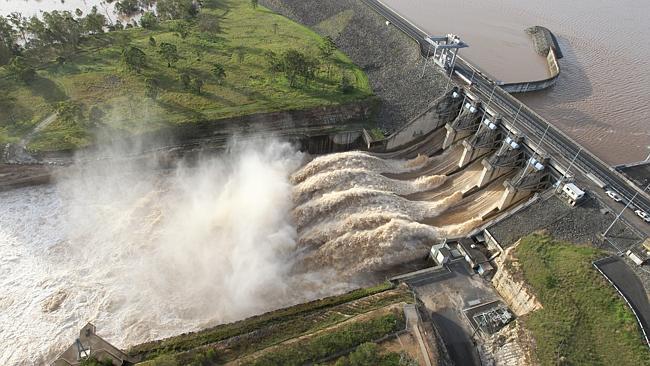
637	256
89	344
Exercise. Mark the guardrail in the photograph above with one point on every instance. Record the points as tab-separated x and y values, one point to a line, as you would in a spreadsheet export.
560	143
636	315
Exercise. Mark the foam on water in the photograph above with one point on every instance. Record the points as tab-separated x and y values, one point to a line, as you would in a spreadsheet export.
144	256
346	178
355	160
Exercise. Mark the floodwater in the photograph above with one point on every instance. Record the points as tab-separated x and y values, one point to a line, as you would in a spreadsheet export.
29	8
601	98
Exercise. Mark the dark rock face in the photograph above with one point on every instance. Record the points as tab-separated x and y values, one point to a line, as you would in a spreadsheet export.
390	58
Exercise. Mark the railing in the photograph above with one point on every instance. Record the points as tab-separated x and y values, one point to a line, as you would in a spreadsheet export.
636	315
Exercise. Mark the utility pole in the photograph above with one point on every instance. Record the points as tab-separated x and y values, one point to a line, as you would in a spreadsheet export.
623	210
566	172
426	60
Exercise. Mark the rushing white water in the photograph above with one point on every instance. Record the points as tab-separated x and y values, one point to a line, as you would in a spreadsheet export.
356	160
143	256
342	179
353	219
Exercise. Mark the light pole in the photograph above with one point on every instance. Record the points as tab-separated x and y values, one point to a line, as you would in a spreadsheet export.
623	210
566	172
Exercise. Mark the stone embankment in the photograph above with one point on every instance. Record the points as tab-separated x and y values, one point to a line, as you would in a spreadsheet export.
512	345
509	346
544	40
512	289
390	58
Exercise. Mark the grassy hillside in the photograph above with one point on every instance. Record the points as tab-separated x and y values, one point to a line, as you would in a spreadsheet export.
583	320
309	331
100	93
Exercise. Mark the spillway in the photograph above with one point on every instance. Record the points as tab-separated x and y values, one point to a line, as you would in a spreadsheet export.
147	254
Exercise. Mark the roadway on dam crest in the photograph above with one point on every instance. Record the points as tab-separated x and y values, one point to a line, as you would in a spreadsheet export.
562	148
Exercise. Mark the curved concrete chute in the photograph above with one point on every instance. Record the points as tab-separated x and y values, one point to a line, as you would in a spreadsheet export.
443	164
463	182
475	208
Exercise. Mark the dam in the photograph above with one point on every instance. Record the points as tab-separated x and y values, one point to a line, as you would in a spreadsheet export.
156	252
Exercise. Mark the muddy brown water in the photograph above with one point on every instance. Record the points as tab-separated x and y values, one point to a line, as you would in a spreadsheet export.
602	96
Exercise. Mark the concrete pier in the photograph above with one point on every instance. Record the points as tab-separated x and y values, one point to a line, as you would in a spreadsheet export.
508	158
486	139
464	125
533	177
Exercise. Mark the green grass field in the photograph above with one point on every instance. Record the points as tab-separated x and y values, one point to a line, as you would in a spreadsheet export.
96	77
583	320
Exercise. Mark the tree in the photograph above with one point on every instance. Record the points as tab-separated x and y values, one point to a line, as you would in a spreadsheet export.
295	63
345	86
118	25
94	22
38	30
59	28
328	47
149	20
239	52
254	4
169	52
219	72
152	88
366	354
182	29
185	79
134	58
8	44
60	60
176	9
22	70
19	23
197	84
127	7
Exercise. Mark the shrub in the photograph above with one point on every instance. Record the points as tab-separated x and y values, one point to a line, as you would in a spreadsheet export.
149	20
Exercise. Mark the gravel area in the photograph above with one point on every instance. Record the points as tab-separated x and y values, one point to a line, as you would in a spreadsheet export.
391	59
580	224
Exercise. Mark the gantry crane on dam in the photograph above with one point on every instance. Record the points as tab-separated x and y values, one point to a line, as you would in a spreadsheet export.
537	135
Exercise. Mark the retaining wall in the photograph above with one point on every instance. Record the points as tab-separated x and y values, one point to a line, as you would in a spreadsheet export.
514	292
528	86
441	111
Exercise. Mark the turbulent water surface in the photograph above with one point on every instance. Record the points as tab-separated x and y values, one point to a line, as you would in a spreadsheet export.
145	253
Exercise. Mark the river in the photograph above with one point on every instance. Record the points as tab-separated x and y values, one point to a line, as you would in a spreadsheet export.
602	96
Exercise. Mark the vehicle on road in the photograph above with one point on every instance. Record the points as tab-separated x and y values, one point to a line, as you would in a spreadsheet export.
613	195
643	215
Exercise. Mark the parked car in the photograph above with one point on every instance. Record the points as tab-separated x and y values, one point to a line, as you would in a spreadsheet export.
643	215
613	195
